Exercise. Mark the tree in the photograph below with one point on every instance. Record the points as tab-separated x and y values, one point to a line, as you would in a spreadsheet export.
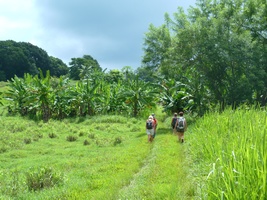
157	45
58	67
79	67
17	58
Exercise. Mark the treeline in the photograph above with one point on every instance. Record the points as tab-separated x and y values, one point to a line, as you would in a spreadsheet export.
17	58
213	56
218	50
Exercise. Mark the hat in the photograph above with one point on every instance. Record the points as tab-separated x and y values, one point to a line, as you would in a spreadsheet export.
150	117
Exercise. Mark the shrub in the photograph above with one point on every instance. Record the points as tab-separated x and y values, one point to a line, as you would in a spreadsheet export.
43	178
86	142
117	141
81	134
52	135
71	138
27	140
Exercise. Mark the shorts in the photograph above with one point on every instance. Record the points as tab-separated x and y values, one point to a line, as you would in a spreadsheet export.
181	135
150	131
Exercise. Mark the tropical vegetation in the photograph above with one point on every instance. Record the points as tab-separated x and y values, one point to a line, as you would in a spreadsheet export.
78	133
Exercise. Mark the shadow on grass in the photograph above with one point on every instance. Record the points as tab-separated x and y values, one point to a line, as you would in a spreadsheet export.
160	131
164	131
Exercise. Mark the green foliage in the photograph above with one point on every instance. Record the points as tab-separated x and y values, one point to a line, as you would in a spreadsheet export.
71	138
43	178
52	135
217	50
229	152
45	97
17	58
138	95
86	142
27	140
81	68
117	141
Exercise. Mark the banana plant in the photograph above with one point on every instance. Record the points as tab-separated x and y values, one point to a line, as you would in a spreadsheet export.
138	94
18	93
42	93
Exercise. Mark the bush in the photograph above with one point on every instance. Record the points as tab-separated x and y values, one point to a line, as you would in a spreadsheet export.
81	134
43	178
72	138
27	140
52	135
86	142
117	141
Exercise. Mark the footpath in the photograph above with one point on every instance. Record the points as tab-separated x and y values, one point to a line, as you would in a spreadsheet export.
164	173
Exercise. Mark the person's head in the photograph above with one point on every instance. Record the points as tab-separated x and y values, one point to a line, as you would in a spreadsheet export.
181	113
153	115
150	117
175	114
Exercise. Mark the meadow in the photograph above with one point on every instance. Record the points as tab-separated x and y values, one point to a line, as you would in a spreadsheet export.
103	157
108	157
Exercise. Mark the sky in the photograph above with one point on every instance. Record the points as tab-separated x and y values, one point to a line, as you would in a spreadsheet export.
112	32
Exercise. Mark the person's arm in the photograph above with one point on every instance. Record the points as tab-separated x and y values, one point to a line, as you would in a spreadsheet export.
156	123
185	125
176	123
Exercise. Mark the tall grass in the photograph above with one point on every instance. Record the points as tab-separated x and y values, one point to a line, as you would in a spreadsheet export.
230	155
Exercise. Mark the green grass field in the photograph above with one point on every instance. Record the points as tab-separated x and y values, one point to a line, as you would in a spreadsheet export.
108	157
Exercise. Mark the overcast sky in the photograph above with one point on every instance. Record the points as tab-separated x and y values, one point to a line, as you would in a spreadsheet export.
112	32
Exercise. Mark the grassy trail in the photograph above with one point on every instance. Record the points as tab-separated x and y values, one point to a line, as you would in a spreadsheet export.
164	172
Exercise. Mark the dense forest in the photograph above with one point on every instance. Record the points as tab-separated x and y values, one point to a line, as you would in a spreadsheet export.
212	56
17	58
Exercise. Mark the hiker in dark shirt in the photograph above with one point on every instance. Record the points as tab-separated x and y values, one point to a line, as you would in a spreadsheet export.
181	127
174	119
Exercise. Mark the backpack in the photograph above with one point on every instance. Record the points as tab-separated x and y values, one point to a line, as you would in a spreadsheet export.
149	124
180	125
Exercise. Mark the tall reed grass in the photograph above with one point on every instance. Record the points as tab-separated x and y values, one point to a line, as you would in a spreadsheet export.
229	154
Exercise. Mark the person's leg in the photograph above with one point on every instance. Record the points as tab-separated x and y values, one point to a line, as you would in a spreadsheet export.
182	137
148	135
152	134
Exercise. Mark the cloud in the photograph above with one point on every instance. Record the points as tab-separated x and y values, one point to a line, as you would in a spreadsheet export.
112	32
